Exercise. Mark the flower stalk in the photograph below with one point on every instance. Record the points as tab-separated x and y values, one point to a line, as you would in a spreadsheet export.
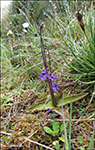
9	60
9	34
45	64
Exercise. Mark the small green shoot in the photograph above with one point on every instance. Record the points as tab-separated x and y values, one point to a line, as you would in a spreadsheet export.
54	130
91	141
5	99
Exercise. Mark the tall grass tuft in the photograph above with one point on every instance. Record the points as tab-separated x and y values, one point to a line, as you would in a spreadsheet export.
76	43
82	51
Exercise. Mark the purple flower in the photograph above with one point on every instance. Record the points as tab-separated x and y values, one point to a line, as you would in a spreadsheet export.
48	111
52	77
54	87
43	75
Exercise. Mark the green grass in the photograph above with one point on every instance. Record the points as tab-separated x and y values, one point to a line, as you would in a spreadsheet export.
77	44
72	55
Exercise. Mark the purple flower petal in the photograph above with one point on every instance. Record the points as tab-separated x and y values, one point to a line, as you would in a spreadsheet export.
52	77
48	111
54	87
43	75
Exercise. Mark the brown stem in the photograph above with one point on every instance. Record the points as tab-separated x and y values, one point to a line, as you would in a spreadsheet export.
45	64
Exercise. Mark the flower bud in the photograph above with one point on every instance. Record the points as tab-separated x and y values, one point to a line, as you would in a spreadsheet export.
41	25
24	30
35	34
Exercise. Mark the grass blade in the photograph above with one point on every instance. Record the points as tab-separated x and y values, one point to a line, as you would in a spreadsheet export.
91	141
70	124
64	126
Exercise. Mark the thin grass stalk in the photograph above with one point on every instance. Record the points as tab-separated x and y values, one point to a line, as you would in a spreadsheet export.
26	17
92	48
49	61
79	76
9	60
84	71
87	54
71	66
70	124
86	108
79	60
85	61
64	126
57	146
91	141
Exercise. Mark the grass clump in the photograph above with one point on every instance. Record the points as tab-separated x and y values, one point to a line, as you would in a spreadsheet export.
66	48
78	42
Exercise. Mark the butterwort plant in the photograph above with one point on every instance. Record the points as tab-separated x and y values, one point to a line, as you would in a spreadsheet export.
44	74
